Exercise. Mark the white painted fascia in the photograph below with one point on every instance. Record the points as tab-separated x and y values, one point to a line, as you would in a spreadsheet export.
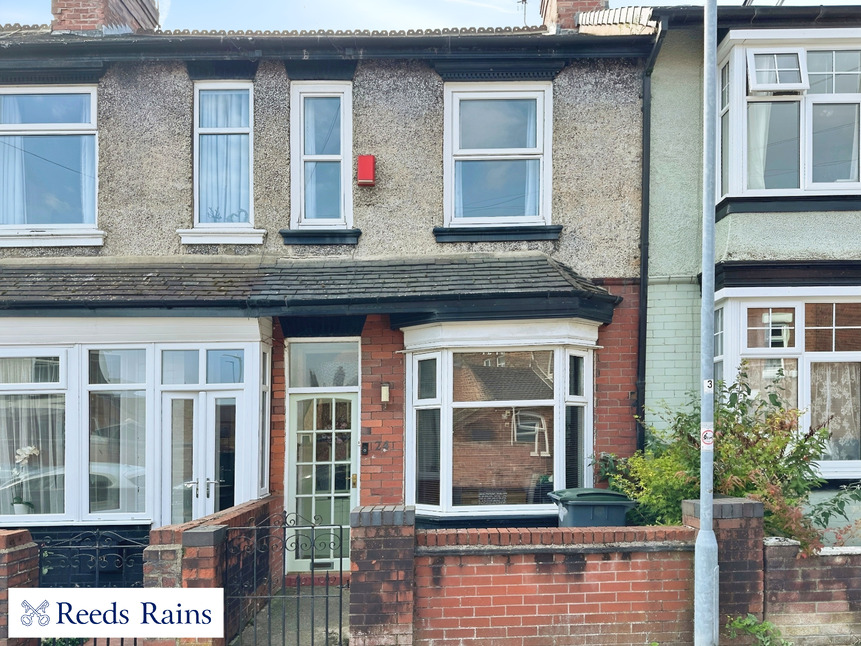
530	332
31	331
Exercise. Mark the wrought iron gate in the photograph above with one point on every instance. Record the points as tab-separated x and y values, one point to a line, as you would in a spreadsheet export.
265	604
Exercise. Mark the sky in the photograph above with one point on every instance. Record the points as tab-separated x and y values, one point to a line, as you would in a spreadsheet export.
343	14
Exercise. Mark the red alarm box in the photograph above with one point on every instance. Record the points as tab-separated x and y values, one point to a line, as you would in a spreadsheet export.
367	170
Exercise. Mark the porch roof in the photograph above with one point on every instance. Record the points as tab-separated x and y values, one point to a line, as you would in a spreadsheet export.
412	290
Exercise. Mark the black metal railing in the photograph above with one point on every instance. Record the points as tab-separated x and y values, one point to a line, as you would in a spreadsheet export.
91	557
265	604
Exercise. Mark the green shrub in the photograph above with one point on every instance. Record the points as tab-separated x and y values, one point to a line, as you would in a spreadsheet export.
759	452
764	632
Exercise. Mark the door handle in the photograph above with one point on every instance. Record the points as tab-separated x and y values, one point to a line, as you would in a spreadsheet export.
192	484
355	479
212	482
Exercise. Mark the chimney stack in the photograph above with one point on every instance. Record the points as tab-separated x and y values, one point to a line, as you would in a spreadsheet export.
562	14
104	16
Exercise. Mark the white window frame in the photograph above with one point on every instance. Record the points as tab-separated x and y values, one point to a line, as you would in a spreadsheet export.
738	50
757	86
542	92
299	91
77	337
736	302
222	232
441	341
56	235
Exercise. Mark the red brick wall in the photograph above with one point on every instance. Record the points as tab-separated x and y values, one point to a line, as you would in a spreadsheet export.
89	15
533	587
19	568
382	469
615	427
739	534
381	580
814	600
278	412
564	12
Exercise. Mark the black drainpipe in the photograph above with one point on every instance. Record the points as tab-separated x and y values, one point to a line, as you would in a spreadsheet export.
644	231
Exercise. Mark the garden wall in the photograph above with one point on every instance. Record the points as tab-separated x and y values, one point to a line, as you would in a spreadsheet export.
589	586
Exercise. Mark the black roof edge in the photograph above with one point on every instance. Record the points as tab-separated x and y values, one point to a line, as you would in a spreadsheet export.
414	312
33	51
756	17
787	273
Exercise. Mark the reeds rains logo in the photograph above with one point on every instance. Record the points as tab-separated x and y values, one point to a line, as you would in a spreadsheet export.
123	612
35	613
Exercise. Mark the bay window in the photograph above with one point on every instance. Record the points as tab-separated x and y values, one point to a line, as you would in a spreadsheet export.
495	428
812	346
795	112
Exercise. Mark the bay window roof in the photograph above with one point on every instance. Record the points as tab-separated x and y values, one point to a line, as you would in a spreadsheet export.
411	290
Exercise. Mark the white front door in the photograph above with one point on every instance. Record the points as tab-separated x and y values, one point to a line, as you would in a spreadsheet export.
322	476
199	466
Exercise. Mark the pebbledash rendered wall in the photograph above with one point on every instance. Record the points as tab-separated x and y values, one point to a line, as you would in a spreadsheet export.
586	586
145	116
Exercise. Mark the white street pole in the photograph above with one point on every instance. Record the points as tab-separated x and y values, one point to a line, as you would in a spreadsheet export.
706	613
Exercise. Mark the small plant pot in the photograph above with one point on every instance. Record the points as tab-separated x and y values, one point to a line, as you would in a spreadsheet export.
22	508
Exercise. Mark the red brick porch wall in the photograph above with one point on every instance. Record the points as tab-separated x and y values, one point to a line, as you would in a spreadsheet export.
382	469
615	426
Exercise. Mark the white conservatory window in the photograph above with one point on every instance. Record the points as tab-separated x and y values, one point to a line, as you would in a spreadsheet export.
130	432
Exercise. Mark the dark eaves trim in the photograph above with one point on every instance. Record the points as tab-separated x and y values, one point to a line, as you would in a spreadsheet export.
44	51
788	273
497	234
405	311
778	204
320	236
735	17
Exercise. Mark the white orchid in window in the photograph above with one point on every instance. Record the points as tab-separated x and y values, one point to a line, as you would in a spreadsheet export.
23	455
22	458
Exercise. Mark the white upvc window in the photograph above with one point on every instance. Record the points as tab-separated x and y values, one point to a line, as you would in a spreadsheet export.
223	165
813	341
776	69
127	433
497	153
48	162
321	150
793	112
494	426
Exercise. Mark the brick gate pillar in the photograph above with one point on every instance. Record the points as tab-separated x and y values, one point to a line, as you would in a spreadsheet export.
738	527
382	551
19	568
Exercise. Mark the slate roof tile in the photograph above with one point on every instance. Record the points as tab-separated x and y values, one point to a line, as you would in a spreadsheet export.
291	281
